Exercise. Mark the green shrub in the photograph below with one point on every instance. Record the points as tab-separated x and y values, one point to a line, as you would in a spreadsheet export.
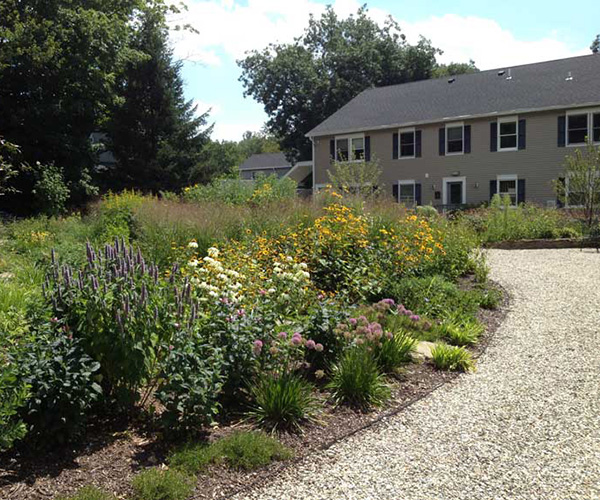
281	402
63	390
461	331
50	190
240	450
395	351
356	380
13	396
426	211
155	484
446	357
90	493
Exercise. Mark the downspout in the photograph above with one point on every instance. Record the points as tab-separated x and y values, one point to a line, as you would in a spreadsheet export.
312	140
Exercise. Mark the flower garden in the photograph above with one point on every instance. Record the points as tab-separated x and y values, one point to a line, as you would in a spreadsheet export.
216	339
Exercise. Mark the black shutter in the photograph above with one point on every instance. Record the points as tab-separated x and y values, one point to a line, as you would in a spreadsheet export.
332	150
395	146
442	138
521	191
367	148
418	144
522	134
562	130
395	191
561	189
467	148
494	136
418	194
493	188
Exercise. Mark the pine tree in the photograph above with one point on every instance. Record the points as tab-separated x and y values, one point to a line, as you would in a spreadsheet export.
154	132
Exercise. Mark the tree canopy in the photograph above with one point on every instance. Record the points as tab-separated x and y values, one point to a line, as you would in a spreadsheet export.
302	83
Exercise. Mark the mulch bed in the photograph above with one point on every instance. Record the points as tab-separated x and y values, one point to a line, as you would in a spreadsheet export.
112	451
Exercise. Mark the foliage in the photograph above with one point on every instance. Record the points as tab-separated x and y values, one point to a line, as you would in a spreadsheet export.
156	484
581	184
240	450
446	357
356	379
192	379
49	189
461	331
453	69
63	387
259	191
527	221
595	46
90	493
58	71
319	70
14	393
426	211
356	178
154	132
281	402
8	171
394	351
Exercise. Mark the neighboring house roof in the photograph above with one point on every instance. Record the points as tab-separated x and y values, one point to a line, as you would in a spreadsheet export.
265	161
546	85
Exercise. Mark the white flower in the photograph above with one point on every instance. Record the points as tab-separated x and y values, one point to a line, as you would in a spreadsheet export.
213	294
213	252
222	277
193	263
302	265
271	290
192	244
208	260
285	296
289	259
306	274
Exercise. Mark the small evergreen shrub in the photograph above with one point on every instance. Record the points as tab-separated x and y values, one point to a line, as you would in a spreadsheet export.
452	358
356	380
281	401
90	493
156	484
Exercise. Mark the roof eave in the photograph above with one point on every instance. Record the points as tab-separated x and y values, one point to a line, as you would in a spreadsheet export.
312	134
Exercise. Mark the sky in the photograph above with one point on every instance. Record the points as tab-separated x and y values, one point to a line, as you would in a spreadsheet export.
493	34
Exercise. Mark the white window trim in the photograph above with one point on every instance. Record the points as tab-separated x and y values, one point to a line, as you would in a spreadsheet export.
590	112
349	137
508	119
407	131
509	177
447	180
454	125
407	182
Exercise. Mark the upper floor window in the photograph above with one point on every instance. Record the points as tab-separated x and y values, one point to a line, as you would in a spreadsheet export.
582	125
350	148
508	131
407	143
454	138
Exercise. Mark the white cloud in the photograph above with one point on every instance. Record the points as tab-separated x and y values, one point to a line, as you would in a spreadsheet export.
228	28
233	131
485	41
203	106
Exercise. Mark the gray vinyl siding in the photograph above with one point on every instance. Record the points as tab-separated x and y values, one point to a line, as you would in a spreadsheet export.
539	164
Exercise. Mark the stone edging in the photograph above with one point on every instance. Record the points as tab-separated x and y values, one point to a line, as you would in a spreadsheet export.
545	244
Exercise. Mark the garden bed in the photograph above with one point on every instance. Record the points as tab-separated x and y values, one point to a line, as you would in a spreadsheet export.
539	244
115	450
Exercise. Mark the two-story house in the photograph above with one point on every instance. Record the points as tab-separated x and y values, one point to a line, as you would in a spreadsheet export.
459	140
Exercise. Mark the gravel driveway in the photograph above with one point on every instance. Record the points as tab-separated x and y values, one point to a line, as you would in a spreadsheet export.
526	425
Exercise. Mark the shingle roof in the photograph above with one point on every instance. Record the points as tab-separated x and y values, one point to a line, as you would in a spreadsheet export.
532	86
265	160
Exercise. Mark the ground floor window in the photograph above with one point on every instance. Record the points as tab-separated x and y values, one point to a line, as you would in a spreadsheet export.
406	192
508	185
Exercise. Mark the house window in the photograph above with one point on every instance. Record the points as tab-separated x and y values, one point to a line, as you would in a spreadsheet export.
507	133
596	127
577	128
406	192
407	143
454	139
507	185
350	148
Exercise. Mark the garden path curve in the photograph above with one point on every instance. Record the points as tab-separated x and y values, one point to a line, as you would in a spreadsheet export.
526	425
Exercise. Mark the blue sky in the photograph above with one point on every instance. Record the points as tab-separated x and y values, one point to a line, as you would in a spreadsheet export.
494	34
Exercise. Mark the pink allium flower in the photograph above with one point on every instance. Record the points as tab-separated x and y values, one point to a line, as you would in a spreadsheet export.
282	335
415	317
297	340
241	313
363	319
408	312
353	321
319	347
389	335
257	346
54	320
171	348
262	292
427	325
310	344
273	350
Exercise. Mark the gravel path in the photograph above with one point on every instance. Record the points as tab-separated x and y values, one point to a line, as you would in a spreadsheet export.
526	425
